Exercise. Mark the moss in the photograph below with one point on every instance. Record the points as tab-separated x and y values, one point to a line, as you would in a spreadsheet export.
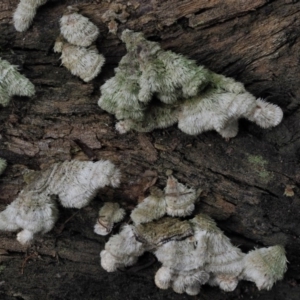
2	268
260	164
257	159
3	165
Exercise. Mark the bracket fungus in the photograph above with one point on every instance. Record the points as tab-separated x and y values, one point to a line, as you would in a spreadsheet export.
170	76
75	183
121	250
192	252
13	83
77	29
177	200
25	12
154	88
78	53
151	208
109	214
260	262
84	62
119	94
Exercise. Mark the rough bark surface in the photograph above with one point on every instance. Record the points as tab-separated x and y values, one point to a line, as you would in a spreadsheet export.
256	42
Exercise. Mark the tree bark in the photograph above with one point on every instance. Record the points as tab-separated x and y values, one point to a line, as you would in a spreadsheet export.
243	180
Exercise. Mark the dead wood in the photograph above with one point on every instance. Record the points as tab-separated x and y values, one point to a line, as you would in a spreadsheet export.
244	181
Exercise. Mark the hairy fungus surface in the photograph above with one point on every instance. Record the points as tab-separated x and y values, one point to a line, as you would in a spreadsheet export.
119	94
78	53
192	252
85	63
121	250
190	95
75	183
260	262
77	29
109	214
25	13
13	83
176	200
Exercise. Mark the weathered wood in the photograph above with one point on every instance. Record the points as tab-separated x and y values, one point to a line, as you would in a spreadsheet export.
256	42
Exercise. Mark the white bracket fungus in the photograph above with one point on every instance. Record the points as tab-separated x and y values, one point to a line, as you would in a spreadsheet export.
13	83
119	94
75	183
109	214
77	29
176	200
83	62
190	95
260	262
121	250
78	54
170	76
192	252
25	12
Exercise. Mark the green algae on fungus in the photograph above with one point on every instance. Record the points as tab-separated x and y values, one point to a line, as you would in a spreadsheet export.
156	88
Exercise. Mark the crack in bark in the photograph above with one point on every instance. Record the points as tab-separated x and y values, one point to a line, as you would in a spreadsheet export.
239	182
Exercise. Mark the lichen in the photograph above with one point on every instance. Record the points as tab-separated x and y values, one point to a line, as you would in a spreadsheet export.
257	159
154	88
3	165
259	164
2	268
75	183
